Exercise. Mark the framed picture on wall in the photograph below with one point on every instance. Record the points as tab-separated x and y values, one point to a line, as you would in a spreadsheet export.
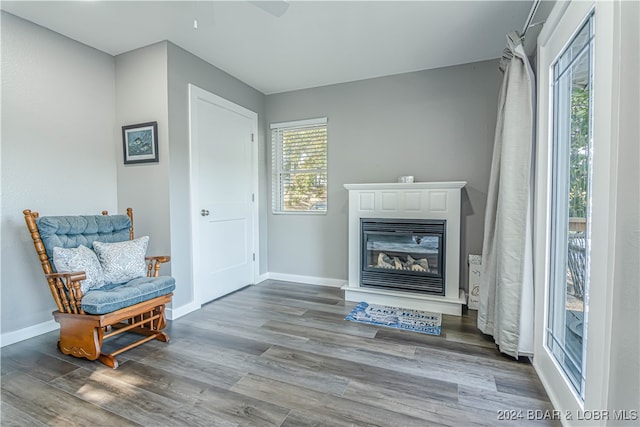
140	143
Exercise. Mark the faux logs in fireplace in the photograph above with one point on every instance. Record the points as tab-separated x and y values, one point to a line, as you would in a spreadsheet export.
403	254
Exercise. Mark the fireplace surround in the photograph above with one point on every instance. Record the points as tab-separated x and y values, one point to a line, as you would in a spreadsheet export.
386	221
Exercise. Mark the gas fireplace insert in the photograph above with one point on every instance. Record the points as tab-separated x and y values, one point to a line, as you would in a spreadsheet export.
403	254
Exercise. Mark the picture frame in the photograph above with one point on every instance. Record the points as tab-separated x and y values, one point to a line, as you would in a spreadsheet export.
140	143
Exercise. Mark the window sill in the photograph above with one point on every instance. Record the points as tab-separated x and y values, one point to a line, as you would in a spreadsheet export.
299	213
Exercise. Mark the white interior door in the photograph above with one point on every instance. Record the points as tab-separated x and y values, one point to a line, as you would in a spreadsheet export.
222	194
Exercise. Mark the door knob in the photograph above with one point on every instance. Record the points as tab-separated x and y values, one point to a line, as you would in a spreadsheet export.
204	212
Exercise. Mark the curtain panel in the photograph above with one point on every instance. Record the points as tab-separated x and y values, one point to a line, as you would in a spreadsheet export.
505	308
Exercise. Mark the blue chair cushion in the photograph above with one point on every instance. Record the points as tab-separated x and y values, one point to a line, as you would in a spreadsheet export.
116	296
73	231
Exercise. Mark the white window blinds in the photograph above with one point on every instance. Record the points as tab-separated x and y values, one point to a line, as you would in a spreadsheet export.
299	166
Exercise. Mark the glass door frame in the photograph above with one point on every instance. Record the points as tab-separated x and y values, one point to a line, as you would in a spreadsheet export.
565	20
559	336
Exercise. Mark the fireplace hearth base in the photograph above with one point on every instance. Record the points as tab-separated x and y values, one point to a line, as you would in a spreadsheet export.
405	299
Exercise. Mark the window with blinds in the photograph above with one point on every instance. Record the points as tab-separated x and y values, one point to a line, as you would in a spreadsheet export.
299	166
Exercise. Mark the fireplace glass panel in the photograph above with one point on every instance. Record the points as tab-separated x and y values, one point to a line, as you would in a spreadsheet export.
416	253
403	254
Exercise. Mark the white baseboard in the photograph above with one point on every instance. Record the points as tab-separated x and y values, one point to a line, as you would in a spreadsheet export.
13	337
175	313
261	278
309	280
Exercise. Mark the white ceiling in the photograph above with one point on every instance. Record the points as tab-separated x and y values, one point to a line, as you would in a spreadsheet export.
315	43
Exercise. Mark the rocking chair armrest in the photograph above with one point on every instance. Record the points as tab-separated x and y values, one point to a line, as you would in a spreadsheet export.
66	290
74	276
153	264
159	258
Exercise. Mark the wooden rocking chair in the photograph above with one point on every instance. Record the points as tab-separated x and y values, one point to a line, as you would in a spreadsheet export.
86	320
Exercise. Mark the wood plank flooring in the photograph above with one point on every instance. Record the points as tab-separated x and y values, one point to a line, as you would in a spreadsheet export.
276	354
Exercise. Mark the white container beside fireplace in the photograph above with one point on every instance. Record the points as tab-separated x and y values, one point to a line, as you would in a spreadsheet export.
418	200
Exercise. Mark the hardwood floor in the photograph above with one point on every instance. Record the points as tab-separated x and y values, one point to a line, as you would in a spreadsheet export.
277	354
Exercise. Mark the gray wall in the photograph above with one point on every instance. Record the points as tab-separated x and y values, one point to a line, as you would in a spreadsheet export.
185	68
58	154
141	97
437	125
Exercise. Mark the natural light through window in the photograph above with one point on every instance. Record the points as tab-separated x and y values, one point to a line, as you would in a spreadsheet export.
299	166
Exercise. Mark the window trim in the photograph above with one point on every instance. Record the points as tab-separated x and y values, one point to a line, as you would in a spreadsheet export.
299	123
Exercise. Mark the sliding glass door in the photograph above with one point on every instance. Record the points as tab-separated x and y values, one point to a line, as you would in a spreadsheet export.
571	177
575	240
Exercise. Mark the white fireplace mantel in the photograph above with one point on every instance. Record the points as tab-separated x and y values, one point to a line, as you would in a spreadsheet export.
418	200
407	186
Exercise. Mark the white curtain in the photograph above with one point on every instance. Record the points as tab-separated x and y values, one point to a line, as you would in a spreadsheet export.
505	308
